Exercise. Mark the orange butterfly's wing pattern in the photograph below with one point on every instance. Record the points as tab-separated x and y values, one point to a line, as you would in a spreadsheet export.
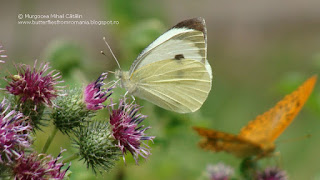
256	139
268	126
219	141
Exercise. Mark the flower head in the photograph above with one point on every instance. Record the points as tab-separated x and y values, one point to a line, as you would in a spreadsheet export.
55	167
94	95
2	55
36	166
125	122
272	173
219	171
14	133
35	85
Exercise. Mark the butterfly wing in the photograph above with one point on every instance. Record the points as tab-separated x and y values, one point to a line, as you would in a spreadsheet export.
180	85
268	126
187	39
219	141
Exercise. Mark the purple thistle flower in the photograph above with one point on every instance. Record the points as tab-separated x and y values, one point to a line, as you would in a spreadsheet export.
94	95
2	55
56	166
29	167
272	173
14	133
219	171
126	130
36	166
35	85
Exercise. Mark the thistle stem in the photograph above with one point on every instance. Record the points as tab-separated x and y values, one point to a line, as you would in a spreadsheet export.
49	140
71	158
248	167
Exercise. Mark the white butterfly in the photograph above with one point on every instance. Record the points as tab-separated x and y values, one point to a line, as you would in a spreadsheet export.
173	71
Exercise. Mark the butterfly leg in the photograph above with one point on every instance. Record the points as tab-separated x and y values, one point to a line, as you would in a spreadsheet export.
133	98
277	158
114	83
125	94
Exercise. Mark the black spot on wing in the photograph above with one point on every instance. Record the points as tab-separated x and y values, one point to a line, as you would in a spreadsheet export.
179	56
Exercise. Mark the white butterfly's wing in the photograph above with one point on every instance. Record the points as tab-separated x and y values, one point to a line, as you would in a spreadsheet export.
186	40
173	71
180	85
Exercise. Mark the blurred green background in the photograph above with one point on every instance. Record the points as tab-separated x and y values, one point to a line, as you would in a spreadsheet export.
259	51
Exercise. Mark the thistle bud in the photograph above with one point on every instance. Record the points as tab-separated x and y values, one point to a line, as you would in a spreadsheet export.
96	146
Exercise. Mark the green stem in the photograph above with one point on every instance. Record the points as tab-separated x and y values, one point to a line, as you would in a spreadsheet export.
248	168
71	158
49	140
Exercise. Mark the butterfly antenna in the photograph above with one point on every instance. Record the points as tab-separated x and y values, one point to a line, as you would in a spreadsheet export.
104	39
307	136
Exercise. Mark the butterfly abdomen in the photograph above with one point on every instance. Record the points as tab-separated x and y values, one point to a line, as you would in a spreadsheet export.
217	141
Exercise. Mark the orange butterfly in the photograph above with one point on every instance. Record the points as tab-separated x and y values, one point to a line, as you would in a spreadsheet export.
257	138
